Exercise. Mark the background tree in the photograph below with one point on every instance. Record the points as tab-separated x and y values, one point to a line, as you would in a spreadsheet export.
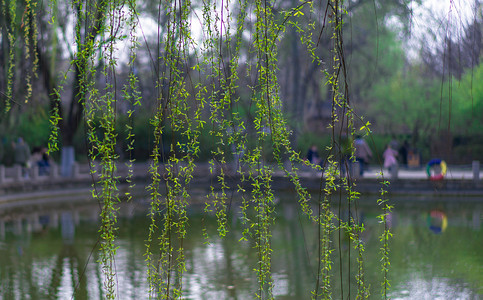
41	34
454	44
229	82
424	87
365	31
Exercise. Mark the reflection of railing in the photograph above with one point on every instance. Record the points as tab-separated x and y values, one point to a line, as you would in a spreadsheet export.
25	222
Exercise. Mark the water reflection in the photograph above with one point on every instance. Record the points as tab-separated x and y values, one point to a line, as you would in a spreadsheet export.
437	221
435	253
437	288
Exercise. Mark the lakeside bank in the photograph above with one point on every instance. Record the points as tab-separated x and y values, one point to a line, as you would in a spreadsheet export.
459	180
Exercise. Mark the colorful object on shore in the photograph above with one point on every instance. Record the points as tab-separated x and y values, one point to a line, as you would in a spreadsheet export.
436	162
437	221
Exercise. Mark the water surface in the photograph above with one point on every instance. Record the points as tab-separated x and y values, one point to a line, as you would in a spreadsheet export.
436	252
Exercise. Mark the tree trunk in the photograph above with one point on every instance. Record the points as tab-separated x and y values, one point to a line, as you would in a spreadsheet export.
71	117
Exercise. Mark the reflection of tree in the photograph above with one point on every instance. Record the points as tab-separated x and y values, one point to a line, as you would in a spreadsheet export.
44	261
297	258
68	255
27	269
134	251
231	279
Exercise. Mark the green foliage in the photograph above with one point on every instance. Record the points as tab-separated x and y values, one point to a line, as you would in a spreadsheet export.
33	127
419	108
467	103
306	139
407	103
197	101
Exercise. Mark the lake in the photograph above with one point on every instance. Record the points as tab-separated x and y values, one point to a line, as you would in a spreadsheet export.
49	251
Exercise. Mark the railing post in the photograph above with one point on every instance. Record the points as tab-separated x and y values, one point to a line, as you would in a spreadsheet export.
35	172
54	170
75	170
18	172
2	173
356	169
476	170
393	170
2	229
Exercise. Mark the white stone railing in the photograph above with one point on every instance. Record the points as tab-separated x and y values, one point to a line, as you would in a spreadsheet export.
15	174
18	174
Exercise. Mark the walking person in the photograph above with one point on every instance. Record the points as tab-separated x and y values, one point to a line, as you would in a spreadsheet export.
389	156
362	152
22	155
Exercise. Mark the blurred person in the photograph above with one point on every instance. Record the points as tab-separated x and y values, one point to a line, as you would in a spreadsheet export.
40	159
346	143
22	155
313	155
44	162
403	153
362	153
389	156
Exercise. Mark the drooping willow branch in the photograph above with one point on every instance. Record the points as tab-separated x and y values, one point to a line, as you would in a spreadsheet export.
197	78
